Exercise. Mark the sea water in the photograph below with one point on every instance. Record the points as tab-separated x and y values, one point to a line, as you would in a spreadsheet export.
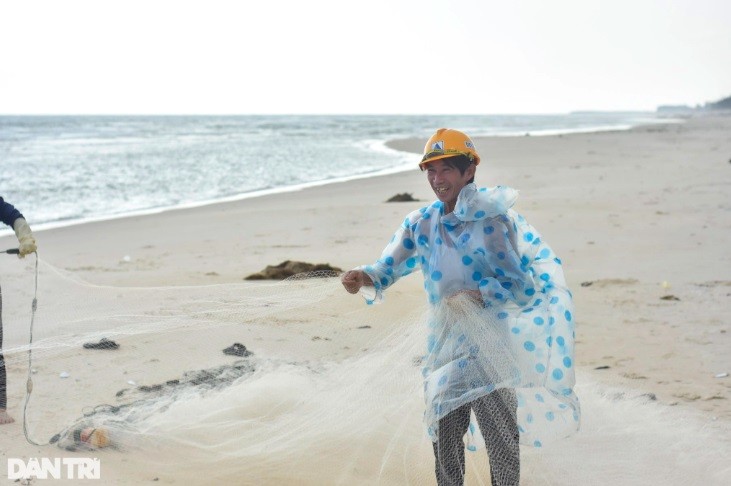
61	170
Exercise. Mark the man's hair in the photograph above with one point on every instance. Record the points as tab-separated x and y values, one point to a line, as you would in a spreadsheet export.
459	162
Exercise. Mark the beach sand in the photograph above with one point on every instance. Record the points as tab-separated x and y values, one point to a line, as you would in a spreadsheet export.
640	218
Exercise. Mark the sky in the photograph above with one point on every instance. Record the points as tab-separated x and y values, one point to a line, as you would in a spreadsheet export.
356	56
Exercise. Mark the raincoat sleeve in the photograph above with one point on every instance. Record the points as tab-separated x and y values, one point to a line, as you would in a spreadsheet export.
543	274
523	265
8	213
398	259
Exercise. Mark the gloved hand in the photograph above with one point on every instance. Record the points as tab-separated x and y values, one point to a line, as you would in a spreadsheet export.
25	237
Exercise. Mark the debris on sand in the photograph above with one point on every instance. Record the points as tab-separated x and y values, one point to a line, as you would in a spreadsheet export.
206	379
669	297
104	343
289	268
237	349
402	197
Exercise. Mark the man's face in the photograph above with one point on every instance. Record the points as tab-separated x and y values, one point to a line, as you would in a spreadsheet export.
447	182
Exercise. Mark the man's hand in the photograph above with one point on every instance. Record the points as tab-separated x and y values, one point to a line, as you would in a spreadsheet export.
25	238
354	280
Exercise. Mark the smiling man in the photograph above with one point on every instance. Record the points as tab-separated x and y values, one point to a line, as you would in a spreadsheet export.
501	330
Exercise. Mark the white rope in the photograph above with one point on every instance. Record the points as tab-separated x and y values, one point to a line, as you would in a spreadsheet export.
29	381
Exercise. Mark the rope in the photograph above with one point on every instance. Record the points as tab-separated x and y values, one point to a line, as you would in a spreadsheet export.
29	381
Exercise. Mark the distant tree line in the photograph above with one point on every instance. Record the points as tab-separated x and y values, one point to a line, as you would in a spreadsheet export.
722	104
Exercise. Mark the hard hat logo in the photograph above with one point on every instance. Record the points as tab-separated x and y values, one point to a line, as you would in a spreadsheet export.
447	142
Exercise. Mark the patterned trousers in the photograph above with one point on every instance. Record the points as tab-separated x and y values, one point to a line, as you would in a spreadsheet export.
496	417
3	378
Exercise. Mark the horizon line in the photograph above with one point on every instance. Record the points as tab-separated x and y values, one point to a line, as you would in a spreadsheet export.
570	112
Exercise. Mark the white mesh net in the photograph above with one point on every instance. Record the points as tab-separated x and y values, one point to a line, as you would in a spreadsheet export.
333	392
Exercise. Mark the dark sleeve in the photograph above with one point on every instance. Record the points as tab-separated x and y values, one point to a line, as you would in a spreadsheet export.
8	213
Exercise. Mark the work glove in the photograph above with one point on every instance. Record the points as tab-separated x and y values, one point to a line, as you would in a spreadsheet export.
25	237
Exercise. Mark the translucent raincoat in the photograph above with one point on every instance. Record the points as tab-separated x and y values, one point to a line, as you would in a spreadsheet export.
523	336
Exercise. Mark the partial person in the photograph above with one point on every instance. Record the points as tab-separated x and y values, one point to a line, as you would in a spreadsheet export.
500	314
26	245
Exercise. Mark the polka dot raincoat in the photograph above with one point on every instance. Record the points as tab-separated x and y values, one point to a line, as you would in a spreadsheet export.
523	337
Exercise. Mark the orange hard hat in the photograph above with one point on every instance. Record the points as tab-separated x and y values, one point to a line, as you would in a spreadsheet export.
448	143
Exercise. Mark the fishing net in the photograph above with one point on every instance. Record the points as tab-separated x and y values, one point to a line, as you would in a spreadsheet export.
297	382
